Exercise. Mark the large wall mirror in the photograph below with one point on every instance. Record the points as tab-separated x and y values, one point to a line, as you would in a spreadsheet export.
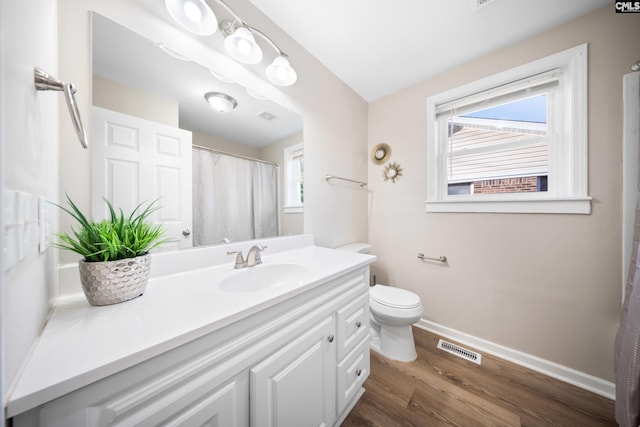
235	189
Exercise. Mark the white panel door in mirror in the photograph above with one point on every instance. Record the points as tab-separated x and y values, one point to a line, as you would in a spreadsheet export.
136	161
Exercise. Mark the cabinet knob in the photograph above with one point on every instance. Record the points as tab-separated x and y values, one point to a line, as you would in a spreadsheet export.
358	324
186	232
358	372
330	338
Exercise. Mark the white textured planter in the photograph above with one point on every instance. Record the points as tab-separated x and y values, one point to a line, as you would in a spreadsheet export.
112	282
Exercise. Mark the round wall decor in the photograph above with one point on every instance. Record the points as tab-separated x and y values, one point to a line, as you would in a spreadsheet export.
392	172
380	153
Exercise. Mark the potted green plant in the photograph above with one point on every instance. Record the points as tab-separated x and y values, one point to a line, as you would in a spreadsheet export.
116	261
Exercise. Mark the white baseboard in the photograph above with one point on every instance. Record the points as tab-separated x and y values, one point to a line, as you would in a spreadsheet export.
552	369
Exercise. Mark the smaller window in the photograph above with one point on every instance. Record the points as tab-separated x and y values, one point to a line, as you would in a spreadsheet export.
293	178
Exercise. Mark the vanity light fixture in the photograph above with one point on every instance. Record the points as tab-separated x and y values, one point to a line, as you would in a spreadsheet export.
239	41
194	15
220	102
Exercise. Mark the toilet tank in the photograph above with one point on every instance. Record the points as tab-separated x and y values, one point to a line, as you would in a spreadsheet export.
361	248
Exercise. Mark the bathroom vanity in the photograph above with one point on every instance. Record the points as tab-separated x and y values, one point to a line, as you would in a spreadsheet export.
284	343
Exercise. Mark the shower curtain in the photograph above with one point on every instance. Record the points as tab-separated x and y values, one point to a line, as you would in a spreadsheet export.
233	198
627	344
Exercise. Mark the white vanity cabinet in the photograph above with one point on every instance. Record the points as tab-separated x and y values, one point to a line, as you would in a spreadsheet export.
296	386
300	362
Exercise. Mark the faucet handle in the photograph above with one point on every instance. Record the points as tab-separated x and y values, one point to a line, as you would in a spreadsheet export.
240	262
253	256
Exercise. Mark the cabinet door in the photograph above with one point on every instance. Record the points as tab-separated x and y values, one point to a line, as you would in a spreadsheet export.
189	394
226	406
296	386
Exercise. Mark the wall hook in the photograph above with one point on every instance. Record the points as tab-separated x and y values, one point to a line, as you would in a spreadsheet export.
44	81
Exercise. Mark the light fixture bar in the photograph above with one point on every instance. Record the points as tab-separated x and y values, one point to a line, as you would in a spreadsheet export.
271	42
253	29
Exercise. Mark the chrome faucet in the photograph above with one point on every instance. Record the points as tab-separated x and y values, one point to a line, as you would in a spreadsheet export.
253	256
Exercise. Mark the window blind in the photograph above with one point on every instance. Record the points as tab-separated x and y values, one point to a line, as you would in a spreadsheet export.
532	86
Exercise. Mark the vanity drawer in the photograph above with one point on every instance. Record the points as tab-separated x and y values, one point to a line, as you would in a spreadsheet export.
353	324
352	372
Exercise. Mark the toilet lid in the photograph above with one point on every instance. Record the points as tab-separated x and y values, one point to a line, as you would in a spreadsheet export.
394	297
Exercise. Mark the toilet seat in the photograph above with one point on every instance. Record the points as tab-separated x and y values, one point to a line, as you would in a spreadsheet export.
394	297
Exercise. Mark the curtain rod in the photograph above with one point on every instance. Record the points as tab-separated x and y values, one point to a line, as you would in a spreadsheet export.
200	147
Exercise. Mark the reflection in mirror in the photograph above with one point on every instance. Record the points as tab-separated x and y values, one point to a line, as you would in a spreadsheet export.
233	187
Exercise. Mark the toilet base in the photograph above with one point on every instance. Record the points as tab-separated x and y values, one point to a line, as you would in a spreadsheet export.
393	342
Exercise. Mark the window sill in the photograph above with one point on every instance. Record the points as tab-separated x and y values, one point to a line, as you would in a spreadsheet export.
568	205
293	209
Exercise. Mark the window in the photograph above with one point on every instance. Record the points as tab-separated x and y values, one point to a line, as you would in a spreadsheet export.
512	142
294	178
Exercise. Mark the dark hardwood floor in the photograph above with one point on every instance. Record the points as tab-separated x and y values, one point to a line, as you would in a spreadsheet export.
440	389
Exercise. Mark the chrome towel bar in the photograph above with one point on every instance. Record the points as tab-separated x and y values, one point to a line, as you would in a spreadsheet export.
441	258
44	81
360	183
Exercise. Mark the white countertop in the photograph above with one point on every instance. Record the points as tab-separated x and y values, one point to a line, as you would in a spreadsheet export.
81	344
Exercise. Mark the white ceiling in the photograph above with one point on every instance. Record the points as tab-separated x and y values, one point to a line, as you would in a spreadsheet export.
378	47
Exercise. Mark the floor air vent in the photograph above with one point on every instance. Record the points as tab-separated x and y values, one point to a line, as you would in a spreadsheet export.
469	355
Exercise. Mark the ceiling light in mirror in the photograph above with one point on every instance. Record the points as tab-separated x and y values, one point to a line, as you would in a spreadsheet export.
221	102
193	15
281	73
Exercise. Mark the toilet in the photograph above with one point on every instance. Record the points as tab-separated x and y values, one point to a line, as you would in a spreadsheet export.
393	311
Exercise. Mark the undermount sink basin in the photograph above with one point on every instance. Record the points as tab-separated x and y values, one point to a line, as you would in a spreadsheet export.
261	277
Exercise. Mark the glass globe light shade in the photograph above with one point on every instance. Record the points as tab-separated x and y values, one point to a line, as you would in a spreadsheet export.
242	46
193	15
281	73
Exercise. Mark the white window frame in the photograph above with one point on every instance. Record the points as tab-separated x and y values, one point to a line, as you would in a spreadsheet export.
568	172
292	202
